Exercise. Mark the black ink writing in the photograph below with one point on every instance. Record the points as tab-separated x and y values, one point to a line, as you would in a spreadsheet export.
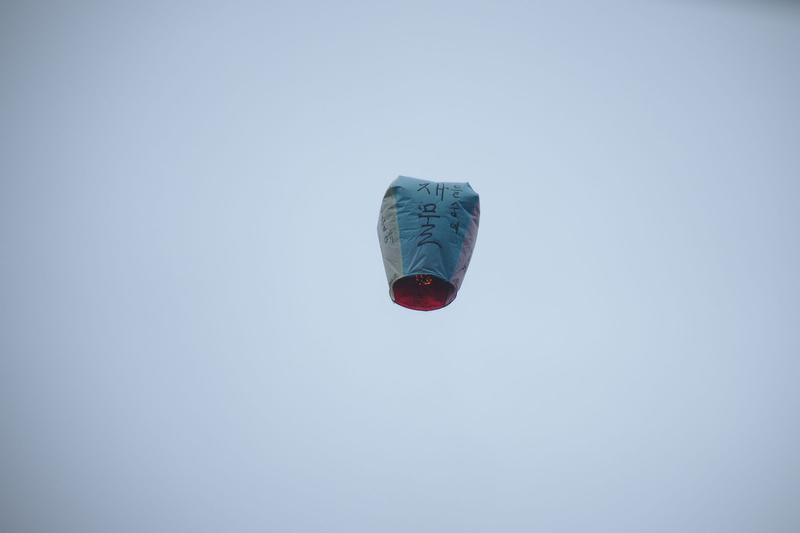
427	219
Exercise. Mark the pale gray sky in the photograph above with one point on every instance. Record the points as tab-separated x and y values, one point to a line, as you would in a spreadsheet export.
196	331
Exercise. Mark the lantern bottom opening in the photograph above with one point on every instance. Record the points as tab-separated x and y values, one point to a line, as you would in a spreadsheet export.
423	292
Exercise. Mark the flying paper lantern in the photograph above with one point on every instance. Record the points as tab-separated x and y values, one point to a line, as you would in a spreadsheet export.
427	232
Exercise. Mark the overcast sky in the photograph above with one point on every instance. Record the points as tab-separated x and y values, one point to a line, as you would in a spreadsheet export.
195	328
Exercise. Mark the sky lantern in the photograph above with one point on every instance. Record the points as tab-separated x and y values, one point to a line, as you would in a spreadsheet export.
427	231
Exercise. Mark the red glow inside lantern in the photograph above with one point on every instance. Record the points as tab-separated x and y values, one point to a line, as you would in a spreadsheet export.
423	292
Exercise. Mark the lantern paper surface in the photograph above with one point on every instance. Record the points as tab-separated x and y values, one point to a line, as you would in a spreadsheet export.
427	232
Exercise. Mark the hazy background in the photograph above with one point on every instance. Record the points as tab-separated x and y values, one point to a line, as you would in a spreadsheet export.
196	333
